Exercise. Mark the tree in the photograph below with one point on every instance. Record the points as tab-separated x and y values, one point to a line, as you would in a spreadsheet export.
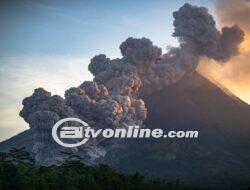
16	155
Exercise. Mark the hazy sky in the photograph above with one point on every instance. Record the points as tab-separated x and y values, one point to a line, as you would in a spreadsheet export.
50	43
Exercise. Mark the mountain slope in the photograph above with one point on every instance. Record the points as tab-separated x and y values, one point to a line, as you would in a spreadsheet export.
219	157
23	139
221	154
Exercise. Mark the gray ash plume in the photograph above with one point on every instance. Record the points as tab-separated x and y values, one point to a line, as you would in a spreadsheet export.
113	98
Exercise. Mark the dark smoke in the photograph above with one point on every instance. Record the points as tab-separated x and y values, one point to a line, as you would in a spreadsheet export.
41	100
93	103
112	100
44	149
196	29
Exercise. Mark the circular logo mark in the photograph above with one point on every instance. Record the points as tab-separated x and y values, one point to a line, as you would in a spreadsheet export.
69	132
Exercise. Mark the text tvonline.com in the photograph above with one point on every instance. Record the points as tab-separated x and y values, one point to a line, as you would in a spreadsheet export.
85	132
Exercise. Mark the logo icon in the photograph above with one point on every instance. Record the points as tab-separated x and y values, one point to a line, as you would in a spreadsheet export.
69	132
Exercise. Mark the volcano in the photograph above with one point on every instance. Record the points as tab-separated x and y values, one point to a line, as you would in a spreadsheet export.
219	157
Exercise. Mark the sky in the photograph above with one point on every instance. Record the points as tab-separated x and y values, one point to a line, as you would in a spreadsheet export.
49	44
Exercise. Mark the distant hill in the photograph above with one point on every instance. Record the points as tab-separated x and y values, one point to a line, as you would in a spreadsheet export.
23	139
219	157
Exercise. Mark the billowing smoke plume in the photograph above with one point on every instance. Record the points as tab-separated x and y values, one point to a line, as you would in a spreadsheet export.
45	150
196	29
93	103
41	100
235	75
112	100
143	65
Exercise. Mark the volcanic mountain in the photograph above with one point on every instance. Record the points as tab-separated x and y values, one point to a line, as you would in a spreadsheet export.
220	156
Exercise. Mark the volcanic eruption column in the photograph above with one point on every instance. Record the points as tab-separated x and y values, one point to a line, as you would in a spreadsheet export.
112	99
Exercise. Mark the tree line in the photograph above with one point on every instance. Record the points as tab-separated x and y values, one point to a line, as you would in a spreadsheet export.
18	172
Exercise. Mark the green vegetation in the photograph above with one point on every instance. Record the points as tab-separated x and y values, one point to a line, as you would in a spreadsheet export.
18	172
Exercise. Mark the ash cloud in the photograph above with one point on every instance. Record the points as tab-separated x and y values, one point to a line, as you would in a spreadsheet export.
113	98
41	100
143	66
235	74
93	103
45	150
197	29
